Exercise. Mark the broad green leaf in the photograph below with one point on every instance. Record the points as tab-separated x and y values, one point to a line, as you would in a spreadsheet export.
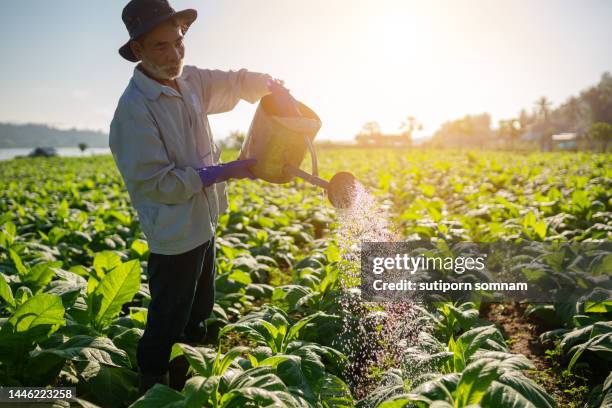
39	310
107	386
116	288
199	358
199	391
474	382
502	396
335	393
87	348
528	389
105	261
160	396
507	361
294	331
253	396
259	377
42	273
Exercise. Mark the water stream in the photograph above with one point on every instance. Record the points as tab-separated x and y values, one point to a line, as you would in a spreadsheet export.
375	335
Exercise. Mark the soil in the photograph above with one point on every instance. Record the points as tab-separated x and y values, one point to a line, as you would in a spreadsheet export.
523	337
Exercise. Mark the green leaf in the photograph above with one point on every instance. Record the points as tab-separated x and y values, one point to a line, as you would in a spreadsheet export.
140	247
221	365
139	316
258	377
517	383
21	269
598	307
200	390
39	310
251	396
475	380
294	331
106	385
507	361
540	229
439	388
335	393
485	337
22	294
11	230
160	396
128	342
5	291
199	358
581	200
85	404
406	400
42	369
42	273
87	348
259	330
116	288
240	277
105	261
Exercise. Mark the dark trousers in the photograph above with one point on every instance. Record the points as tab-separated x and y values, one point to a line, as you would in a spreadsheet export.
182	291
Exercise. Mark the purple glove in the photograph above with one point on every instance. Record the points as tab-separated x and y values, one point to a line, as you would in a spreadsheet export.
238	169
286	104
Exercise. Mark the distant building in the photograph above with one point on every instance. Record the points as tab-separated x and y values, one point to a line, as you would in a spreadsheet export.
382	140
565	141
537	133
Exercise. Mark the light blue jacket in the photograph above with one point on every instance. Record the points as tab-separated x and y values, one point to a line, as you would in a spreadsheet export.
158	138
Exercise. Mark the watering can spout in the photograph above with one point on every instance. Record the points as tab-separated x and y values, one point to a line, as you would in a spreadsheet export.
341	189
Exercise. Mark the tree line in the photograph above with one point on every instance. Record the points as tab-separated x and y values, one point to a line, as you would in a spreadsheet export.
586	119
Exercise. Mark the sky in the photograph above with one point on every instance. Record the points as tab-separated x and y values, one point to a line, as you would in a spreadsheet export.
351	61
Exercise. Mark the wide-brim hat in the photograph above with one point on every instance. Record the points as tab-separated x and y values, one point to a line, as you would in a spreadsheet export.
141	16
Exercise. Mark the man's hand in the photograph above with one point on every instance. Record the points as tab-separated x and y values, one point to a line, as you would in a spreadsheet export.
274	82
238	169
287	106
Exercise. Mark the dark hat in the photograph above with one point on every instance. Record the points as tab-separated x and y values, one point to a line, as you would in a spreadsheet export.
141	16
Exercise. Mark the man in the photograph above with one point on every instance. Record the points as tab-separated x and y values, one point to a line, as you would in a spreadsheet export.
161	141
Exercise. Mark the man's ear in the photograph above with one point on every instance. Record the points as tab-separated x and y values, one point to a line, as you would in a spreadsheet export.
136	49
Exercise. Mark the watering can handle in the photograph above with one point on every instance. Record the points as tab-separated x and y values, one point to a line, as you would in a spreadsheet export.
313	178
313	156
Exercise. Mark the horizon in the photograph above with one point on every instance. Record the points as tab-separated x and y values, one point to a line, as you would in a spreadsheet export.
370	61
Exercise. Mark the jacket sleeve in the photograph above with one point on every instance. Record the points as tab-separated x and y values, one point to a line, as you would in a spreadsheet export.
224	89
143	162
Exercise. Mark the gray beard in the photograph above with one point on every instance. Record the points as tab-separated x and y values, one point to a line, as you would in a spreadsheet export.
161	72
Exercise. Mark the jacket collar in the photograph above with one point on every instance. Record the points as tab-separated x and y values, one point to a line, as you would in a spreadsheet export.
151	88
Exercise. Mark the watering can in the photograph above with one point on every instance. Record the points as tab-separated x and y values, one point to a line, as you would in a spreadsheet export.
279	143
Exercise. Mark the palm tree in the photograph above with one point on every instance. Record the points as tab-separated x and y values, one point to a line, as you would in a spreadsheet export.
543	107
371	128
410	125
370	132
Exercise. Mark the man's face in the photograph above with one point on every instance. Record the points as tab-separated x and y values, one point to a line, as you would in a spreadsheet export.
162	51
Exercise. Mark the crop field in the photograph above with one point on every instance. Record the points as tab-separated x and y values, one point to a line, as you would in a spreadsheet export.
288	327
